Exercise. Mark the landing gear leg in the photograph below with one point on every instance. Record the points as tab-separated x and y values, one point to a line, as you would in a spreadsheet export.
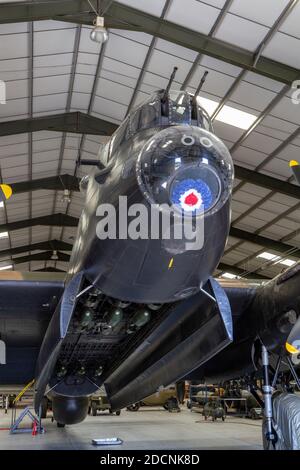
269	434
293	372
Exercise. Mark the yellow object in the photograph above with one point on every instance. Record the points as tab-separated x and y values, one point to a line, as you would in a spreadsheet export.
6	190
171	263
291	349
18	397
294	163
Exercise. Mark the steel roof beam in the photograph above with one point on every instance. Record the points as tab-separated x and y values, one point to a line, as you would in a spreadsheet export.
58	183
44	256
272	155
264	241
49	269
268	182
71	183
72	122
119	16
240	272
75	122
75	55
89	111
58	220
48	245
147	60
211	33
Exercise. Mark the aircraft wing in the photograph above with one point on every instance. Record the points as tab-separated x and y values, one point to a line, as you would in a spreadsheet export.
240	293
269	310
27	303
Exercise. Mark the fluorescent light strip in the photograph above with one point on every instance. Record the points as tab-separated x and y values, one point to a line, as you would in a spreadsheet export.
230	276
268	256
3	268
232	116
277	259
287	262
209	105
236	117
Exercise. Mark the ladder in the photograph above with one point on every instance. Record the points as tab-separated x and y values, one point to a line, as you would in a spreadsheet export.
15	422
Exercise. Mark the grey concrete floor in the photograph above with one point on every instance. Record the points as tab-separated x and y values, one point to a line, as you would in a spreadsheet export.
149	428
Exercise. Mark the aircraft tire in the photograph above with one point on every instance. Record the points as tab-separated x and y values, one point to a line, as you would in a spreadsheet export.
94	408
134	407
267	445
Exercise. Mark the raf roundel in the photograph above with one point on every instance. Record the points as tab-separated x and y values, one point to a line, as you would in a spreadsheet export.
191	195
191	200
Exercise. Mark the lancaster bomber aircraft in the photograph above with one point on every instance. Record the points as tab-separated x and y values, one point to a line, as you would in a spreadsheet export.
134	314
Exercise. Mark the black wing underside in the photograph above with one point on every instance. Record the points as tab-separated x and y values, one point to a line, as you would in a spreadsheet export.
234	360
27	303
270	312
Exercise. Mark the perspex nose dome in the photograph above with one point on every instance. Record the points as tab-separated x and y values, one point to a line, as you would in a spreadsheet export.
188	167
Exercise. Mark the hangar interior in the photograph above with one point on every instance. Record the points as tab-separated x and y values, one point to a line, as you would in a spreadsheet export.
52	68
66	95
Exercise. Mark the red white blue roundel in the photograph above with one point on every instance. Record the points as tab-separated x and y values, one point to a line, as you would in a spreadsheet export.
191	195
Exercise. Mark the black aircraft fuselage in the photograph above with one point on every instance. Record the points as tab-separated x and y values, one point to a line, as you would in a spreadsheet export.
139	308
121	290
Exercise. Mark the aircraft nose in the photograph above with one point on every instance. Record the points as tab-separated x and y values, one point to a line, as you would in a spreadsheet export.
186	167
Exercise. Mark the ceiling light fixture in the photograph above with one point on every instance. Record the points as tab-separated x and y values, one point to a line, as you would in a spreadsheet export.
99	33
66	197
287	262
268	256
3	234
276	259
230	276
54	256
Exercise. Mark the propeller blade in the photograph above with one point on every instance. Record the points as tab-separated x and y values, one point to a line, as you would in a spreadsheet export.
293	342
295	167
5	192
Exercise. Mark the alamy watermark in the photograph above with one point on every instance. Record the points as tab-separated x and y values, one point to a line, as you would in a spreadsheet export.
2	92
155	222
295	96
